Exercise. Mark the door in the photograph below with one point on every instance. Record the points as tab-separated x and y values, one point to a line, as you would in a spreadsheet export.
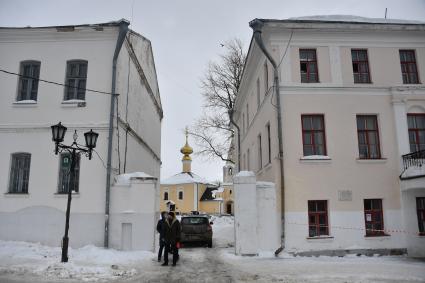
126	236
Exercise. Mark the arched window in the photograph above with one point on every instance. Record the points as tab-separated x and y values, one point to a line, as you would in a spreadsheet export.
165	195
230	191
76	78
230	171
181	195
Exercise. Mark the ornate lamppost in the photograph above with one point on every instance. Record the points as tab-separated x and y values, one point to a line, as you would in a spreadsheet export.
58	134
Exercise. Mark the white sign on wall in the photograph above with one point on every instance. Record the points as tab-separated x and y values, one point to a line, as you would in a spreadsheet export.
345	195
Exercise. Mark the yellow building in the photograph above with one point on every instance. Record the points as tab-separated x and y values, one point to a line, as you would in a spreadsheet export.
186	191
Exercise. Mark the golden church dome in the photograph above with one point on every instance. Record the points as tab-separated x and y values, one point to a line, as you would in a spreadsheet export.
186	149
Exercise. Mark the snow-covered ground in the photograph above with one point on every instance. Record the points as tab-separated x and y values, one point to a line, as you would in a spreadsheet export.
23	262
88	263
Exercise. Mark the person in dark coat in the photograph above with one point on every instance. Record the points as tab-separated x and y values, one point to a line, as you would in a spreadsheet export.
172	237
161	229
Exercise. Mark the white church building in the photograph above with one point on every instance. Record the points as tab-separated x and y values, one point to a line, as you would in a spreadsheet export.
99	77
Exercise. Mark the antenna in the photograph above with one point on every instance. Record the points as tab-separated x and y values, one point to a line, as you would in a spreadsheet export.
385	13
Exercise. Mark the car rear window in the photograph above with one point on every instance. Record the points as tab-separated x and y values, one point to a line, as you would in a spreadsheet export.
194	220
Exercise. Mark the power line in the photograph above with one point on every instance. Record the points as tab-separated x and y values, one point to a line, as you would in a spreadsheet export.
55	83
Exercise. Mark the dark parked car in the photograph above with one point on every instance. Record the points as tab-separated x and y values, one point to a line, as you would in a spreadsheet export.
196	229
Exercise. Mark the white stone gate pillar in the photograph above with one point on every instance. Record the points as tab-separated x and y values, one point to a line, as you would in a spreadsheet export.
245	206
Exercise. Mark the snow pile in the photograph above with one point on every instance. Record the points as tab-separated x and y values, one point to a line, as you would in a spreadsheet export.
223	231
88	263
351	18
124	179
218	190
184	178
316	157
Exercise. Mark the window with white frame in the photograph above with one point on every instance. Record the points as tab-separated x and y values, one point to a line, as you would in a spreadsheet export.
65	181
19	173
76	78
28	80
180	194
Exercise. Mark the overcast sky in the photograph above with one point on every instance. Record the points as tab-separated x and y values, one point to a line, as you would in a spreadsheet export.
185	35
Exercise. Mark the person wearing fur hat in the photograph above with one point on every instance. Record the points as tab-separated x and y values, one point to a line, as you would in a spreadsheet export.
172	231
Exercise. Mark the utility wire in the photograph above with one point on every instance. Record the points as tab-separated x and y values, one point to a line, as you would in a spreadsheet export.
55	83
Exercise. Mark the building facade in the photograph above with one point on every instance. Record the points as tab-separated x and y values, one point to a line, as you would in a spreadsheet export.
104	79
187	192
352	105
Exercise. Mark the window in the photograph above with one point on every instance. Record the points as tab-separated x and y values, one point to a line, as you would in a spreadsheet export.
165	195
258	94
230	191
180	195
266	78
374	220
308	66
368	136
76	77
318	218
230	171
28	81
260	153
420	206
360	66
19	173
409	71
65	181
269	148
313	128
416	123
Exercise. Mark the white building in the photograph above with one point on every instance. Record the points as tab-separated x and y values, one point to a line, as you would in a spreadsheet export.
352	104
108	58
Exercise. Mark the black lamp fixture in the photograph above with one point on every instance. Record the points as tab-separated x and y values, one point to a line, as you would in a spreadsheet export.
58	135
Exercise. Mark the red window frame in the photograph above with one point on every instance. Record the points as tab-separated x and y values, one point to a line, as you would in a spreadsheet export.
362	74
414	132
420	209
312	132
318	224
409	69
310	66
366	133
373	217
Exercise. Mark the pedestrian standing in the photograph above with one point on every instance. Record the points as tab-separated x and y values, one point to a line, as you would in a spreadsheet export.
161	229
172	238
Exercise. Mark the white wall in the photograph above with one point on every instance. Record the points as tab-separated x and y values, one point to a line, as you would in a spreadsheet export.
138	205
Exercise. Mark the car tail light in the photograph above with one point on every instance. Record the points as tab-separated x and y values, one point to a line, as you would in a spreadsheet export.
209	228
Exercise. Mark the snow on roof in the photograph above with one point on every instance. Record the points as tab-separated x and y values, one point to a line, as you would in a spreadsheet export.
353	19
124	179
184	178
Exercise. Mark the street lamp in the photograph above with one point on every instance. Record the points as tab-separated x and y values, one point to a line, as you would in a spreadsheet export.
58	134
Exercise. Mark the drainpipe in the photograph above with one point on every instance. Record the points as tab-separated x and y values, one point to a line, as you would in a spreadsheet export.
123	29
257	26
231	111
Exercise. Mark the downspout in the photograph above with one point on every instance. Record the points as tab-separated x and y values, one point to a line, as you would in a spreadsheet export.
123	29
231	111
257	26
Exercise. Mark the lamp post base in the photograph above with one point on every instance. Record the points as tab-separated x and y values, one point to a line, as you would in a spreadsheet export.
65	241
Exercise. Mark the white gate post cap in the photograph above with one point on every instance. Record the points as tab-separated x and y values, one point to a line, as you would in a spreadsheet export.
244	177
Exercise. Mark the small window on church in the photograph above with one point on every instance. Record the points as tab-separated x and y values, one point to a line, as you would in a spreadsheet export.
165	195
181	195
230	171
230	191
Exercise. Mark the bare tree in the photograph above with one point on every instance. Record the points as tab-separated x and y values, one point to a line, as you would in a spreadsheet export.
213	131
